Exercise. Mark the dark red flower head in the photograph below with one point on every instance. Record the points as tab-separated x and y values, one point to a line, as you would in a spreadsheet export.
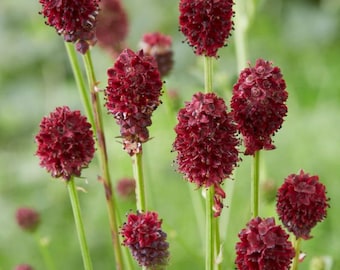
159	46
133	92
23	267
206	24
205	143
65	143
263	246
74	19
126	187
258	105
301	203
28	219
142	233
112	26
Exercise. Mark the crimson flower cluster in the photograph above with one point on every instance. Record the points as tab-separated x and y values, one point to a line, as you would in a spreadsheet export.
74	19
27	218
206	143
142	233
23	267
301	203
133	92
159	46
263	245
258	105
112	26
65	143
126	187
206	24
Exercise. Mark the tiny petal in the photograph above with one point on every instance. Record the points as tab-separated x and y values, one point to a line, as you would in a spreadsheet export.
74	19
258	105
263	245
142	233
159	46
28	219
65	143
133	93
206	143
206	24
301	203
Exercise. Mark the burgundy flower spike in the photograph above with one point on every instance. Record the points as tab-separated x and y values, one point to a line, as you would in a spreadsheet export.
65	143
159	46
206	24
142	233
112	26
301	203
133	92
206	144
23	267
27	218
74	19
126	187
258	105
263	245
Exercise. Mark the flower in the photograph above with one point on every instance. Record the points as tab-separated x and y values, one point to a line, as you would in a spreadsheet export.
206	144
263	245
112	26
143	235
126	187
27	218
258	105
159	46
23	267
206	24
133	92
301	203
74	19
65	143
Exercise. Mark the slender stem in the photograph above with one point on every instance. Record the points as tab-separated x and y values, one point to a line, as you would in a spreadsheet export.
79	224
103	159
255	184
77	73
211	237
209	259
43	247
137	163
297	244
208	74
217	244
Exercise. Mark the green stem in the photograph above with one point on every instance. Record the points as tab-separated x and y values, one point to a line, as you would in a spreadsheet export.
297	244
77	73
103	159
255	184
211	237
209	259
79	224
217	243
43	247
137	163
208	74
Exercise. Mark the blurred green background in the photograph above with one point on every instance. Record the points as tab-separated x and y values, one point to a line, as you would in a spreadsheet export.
301	37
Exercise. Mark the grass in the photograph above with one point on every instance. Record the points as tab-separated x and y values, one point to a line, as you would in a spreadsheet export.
35	77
